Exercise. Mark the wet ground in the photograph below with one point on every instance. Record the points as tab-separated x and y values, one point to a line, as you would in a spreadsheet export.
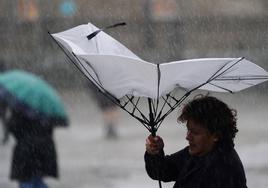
87	159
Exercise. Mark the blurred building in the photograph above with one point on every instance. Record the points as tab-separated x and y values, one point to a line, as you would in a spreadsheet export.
157	30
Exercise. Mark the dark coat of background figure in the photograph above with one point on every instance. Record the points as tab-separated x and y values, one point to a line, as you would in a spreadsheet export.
34	153
218	169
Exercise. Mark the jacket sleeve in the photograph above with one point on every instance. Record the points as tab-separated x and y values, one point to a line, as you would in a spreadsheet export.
164	167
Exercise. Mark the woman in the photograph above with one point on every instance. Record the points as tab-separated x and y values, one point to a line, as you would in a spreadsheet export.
210	160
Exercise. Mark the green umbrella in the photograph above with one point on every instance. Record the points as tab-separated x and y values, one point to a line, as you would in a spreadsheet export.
32	96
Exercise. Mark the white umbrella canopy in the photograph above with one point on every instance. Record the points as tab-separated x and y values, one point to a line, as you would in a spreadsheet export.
118	72
116	69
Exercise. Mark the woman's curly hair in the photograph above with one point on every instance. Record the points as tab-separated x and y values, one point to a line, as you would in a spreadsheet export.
214	115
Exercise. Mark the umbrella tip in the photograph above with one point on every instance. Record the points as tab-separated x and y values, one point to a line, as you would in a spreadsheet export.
90	36
121	24
116	25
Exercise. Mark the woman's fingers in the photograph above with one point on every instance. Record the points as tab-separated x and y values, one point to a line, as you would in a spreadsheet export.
154	144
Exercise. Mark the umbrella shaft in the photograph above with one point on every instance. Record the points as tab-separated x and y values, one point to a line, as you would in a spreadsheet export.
151	116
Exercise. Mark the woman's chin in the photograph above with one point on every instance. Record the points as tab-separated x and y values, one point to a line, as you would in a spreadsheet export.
192	151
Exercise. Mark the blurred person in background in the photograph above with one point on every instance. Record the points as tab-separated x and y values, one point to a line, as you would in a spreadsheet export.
30	109
34	154
109	110
210	159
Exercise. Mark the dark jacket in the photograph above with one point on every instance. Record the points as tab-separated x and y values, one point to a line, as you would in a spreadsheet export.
218	169
34	153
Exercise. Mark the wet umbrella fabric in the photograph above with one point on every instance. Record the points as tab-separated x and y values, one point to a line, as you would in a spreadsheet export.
117	70
32	96
120	74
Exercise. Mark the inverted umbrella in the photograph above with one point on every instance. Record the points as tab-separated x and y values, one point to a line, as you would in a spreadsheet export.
126	79
30	95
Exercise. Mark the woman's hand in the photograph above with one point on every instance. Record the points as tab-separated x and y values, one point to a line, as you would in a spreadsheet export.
154	144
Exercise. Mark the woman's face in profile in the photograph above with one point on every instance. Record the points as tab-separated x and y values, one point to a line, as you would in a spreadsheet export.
200	140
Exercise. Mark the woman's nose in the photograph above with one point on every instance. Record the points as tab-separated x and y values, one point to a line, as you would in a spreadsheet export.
188	135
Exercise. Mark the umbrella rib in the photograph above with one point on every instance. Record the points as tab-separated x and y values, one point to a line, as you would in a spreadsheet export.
98	82
145	119
174	98
144	123
61	47
230	91
160	112
237	79
249	84
179	101
166	102
160	120
213	78
126	103
130	99
159	123
135	106
257	77
98	79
